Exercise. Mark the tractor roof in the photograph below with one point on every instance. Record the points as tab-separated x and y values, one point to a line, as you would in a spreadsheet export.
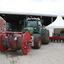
33	19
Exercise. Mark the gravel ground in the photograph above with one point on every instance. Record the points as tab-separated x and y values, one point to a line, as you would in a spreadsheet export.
53	53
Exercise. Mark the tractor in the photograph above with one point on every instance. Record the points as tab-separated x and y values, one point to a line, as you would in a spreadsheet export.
39	34
31	36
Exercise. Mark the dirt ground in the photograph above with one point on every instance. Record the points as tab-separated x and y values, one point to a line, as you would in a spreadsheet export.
53	53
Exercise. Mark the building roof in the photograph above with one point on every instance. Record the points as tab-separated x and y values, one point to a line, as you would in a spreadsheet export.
25	13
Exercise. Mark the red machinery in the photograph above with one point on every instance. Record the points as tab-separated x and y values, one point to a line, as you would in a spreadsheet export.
54	37
14	40
2	24
57	37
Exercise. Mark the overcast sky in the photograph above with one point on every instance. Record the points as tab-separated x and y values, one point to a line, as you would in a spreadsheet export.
33	6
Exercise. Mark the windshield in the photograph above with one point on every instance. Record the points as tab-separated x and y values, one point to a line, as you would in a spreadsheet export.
32	24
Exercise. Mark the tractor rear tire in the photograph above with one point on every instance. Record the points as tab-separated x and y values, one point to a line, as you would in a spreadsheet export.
37	41
45	37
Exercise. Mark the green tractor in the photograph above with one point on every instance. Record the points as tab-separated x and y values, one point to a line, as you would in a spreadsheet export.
39	34
32	35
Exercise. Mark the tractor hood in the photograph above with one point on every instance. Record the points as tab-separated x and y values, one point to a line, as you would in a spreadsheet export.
30	29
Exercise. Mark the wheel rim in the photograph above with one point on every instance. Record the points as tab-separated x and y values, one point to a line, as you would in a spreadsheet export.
39	42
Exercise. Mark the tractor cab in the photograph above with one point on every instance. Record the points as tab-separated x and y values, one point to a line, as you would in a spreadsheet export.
34	23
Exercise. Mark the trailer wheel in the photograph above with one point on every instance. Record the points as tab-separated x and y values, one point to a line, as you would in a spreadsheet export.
37	41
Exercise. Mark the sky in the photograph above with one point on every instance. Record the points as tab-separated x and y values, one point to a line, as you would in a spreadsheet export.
33	6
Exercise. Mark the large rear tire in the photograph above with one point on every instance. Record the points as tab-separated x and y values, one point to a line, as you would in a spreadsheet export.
45	37
37	41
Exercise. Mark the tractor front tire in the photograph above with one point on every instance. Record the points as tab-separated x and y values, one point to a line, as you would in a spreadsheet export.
37	41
